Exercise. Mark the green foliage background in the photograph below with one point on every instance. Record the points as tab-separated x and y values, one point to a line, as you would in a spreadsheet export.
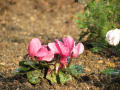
98	18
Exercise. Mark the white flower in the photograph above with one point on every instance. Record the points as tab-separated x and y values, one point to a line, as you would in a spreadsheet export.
113	37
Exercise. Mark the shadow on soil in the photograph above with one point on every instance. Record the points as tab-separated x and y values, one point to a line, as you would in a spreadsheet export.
100	81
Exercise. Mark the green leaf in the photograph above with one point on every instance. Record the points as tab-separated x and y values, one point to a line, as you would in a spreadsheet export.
60	78
75	70
63	77
30	63
52	77
111	71
22	63
35	76
21	70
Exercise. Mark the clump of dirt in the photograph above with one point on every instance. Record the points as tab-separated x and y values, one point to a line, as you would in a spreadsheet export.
22	20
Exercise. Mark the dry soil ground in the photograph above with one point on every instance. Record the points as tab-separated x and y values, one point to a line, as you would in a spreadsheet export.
22	20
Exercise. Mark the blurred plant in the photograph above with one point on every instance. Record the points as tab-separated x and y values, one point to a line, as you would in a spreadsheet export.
84	2
111	72
97	19
113	38
51	61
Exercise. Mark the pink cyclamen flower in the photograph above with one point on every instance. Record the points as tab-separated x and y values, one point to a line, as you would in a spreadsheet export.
44	54
41	52
34	47
66	49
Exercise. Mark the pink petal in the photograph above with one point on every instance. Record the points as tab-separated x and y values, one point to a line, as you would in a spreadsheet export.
78	50
49	57
33	47
64	51
53	48
42	52
44	55
69	42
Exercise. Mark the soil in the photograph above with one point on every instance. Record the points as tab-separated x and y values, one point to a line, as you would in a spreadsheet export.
22	20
